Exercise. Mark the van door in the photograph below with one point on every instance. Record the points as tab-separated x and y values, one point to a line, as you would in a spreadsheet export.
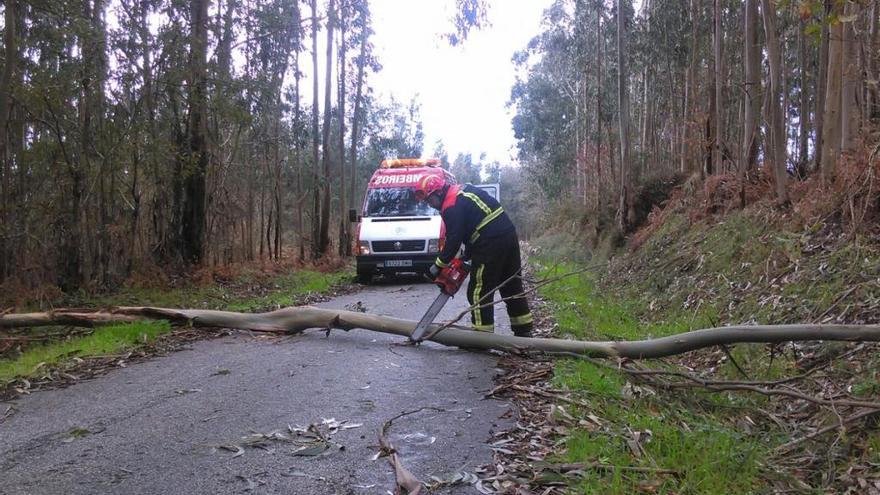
494	190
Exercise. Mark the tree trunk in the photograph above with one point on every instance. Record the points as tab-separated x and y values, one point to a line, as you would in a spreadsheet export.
600	41
717	148
193	224
356	116
831	121
872	90
344	248
777	126
316	183
10	66
691	128
298	319
623	114
324	242
752	58
850	81
804	119
300	199
821	82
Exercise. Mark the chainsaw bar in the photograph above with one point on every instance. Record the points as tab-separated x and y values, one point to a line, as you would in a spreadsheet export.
426	320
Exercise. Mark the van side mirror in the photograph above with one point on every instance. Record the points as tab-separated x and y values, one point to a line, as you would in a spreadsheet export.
353	216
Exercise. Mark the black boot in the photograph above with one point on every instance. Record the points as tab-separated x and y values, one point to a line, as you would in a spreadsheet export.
522	330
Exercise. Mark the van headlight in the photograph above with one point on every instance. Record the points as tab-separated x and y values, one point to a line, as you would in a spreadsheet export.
364	247
434	245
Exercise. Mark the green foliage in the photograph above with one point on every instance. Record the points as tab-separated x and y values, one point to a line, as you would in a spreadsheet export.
688	275
465	170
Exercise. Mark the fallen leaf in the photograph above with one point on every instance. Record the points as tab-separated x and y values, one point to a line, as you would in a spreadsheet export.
313	450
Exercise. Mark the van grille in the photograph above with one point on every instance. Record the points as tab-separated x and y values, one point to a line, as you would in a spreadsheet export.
392	246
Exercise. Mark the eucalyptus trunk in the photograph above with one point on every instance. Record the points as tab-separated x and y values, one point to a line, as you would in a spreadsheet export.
344	248
192	233
10	66
752	111
356	116
832	122
777	126
316	182
324	235
717	148
623	117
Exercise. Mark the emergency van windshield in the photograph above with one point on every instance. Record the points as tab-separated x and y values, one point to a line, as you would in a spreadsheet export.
396	202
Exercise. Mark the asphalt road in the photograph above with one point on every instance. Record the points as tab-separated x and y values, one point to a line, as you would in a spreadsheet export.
154	427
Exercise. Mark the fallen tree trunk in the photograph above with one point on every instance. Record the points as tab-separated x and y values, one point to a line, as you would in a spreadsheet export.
295	320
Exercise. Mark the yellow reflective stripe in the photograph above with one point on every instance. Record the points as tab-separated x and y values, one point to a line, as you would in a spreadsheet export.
440	263
521	320
484	328
491	216
479	202
478	289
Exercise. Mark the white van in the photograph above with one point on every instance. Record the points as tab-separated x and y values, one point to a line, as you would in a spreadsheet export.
395	232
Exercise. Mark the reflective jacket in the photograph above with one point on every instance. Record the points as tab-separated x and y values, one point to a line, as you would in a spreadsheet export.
472	217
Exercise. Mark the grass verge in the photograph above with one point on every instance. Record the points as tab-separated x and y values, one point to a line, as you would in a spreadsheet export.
248	293
103	341
641	430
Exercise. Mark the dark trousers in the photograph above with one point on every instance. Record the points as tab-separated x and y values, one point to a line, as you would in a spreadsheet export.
496	265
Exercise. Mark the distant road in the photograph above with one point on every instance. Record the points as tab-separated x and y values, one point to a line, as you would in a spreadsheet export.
150	427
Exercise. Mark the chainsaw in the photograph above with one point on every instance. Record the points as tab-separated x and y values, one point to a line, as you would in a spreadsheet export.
449	280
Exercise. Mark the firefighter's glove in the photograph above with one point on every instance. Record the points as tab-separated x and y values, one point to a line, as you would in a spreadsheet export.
434	271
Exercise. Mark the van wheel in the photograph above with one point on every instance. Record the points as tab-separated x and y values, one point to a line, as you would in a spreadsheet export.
364	278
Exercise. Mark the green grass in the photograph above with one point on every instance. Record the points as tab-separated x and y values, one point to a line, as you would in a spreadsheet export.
709	458
103	341
705	447
246	294
689	276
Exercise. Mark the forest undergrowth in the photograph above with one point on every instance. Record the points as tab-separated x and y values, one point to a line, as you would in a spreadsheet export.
746	418
50	356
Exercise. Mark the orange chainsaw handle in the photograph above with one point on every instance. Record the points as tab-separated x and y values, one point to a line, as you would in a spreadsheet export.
452	276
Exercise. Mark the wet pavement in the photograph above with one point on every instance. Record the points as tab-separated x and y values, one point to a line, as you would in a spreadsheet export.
154	427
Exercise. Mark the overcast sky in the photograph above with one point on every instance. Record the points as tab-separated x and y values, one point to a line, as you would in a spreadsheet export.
463	90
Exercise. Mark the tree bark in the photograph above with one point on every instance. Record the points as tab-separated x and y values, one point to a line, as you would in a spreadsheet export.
298	319
356	115
344	248
872	90
192	235
850	81
691	129
804	118
324	235
831	121
777	125
821	82
600	53
316	183
752	58
623	116
10	66
717	148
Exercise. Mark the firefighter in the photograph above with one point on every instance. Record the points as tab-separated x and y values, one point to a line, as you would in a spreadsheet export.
476	219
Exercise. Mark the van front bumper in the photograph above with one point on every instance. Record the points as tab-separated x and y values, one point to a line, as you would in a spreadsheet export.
394	263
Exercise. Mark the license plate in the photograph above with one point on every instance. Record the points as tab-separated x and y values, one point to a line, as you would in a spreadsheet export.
397	263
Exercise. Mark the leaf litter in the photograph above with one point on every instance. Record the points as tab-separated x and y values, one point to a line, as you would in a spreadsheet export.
306	441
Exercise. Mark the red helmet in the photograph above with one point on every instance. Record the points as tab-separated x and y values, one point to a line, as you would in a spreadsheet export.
429	185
